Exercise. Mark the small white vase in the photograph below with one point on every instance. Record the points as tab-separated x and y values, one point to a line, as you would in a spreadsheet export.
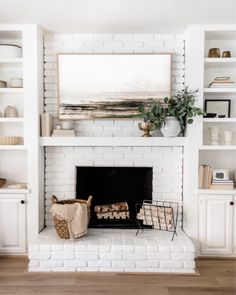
215	136
171	127
228	137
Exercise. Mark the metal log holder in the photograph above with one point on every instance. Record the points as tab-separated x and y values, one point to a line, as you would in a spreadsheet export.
160	215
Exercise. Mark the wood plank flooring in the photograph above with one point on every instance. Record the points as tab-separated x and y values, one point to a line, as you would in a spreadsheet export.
216	277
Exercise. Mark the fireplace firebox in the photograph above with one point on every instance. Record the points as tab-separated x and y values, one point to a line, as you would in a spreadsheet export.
112	185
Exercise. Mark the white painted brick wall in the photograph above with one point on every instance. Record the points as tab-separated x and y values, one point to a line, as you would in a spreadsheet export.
61	162
110	43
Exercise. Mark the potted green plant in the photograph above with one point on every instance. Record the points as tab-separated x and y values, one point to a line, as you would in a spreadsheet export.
172	115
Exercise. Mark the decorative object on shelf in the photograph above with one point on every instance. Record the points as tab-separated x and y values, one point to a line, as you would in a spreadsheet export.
181	106
210	115
214	52
204	176
10	112
111	85
226	54
214	135
228	137
46	124
67	125
222	82
76	211
160	215
171	127
10	140
221	107
10	51
17	185
58	127
16	83
220	174
2	182
63	133
3	84
220	180
146	127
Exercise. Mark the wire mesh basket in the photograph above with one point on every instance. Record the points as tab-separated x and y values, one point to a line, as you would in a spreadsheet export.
160	215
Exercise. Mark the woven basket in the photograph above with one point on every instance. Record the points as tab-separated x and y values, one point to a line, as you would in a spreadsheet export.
61	225
2	182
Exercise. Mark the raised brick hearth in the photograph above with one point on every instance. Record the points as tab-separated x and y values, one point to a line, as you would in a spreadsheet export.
113	250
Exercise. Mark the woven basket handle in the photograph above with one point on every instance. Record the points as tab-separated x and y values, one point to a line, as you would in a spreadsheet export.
54	199
89	201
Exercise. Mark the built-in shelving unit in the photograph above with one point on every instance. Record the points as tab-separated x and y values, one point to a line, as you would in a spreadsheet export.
23	163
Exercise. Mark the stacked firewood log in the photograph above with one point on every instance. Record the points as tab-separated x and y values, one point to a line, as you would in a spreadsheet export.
159	217
112	211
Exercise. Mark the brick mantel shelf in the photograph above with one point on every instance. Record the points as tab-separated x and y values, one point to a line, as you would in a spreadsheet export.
113	141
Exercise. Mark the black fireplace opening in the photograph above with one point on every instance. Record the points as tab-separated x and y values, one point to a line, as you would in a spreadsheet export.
110	185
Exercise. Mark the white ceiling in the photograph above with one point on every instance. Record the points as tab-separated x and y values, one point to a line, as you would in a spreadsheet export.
117	16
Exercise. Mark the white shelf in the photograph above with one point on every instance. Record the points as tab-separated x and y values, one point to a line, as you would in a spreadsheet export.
216	192
11	90
11	120
220	90
218	147
220	62
13	147
11	60
113	141
6	190
219	120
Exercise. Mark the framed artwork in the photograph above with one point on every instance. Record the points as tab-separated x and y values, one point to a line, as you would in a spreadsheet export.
220	174
111	85
219	107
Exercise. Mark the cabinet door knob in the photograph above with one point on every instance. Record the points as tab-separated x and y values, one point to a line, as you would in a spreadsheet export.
22	202
231	203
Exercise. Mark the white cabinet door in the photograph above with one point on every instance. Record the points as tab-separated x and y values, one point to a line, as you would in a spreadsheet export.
216	224
12	223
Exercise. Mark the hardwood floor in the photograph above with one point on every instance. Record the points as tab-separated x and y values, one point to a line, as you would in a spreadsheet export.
216	277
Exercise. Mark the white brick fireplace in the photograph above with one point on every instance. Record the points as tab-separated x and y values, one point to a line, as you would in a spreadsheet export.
61	165
112	143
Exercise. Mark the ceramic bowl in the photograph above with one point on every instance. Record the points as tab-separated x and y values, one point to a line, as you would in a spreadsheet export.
10	51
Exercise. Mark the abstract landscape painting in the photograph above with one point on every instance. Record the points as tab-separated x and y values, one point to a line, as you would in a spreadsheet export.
111	85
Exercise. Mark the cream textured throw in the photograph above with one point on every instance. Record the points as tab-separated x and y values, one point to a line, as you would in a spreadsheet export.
76	215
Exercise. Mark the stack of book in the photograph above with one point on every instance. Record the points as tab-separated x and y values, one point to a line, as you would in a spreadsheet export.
63	133
204	176
222	82
222	184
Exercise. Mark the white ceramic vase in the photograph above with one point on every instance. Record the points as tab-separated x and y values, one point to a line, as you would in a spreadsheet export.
228	137
215	135
171	128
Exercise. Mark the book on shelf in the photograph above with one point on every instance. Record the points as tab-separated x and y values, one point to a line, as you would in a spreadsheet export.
222	186
62	133
220	82
204	176
46	124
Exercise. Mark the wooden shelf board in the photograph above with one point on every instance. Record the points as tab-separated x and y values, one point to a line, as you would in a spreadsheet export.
216	192
218	147
11	60
13	147
11	120
220	90
219	120
11	90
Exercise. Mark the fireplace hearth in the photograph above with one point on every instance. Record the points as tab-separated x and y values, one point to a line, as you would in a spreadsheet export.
112	185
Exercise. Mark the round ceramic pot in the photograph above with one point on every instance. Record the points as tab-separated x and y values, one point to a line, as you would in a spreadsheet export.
171	127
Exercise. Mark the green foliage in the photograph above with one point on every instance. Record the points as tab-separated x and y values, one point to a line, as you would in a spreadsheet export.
181	106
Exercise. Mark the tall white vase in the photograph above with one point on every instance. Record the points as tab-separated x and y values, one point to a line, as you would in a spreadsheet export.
171	127
215	135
